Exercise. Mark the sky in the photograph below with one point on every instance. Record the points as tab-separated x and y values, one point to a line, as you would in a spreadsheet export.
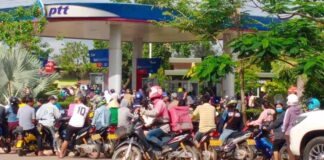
57	45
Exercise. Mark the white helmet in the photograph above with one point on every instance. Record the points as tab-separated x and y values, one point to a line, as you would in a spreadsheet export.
292	100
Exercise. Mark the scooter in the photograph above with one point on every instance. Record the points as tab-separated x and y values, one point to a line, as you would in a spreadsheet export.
264	147
81	143
239	145
133	145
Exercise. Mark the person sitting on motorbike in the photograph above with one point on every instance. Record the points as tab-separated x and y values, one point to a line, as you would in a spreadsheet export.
279	136
113	108
124	115
206	114
3	122
76	123
161	115
11	113
101	116
313	104
27	120
266	116
46	115
233	121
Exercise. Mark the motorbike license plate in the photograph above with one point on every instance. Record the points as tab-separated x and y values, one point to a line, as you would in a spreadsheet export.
251	142
215	143
95	137
19	144
112	136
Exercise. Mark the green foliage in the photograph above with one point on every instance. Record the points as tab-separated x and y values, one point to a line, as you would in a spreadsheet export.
65	103
212	68
250	79
206	18
20	70
100	44
161	78
253	113
19	27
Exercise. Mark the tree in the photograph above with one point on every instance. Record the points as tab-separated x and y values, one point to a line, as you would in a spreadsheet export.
212	69
21	70
19	26
74	58
297	42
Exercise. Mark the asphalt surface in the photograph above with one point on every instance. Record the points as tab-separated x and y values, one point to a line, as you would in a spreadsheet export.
14	156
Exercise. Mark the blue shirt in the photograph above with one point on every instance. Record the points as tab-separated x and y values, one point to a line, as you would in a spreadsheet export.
11	116
101	117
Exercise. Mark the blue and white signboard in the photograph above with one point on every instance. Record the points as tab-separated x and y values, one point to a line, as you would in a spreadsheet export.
99	56
150	64
67	11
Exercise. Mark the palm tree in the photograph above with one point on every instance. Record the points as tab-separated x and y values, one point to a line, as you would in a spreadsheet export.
20	70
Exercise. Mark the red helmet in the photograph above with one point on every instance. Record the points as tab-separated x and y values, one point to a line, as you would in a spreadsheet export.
155	92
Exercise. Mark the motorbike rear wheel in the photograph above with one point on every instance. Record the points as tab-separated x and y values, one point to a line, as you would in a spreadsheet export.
244	152
120	153
96	153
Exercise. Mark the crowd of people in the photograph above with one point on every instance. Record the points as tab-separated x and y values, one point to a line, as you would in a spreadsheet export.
112	108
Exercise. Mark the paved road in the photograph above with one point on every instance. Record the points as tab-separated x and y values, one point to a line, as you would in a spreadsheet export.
33	157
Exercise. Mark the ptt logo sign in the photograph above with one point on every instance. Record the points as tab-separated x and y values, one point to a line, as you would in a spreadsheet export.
57	11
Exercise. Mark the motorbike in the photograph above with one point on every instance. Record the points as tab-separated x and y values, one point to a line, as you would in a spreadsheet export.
239	145
107	138
264	147
134	146
82	144
208	144
26	142
5	144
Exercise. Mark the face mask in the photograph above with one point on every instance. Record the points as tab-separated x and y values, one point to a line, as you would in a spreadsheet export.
279	110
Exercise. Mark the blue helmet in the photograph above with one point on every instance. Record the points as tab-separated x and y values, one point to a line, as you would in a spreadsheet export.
138	98
313	104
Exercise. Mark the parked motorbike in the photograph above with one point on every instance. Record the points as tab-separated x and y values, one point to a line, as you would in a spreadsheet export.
264	147
239	145
134	146
81	143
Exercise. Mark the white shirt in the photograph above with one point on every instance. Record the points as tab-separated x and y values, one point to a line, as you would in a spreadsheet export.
47	114
80	113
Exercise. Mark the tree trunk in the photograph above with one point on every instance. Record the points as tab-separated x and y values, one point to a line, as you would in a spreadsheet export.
243	104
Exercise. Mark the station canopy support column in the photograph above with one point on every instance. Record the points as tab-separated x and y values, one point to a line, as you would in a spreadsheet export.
137	53
115	58
229	82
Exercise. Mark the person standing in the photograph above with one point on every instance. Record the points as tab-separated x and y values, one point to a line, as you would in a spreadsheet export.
293	111
27	120
76	123
47	114
279	136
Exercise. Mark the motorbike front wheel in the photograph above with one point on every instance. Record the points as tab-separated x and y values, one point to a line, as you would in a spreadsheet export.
134	154
184	154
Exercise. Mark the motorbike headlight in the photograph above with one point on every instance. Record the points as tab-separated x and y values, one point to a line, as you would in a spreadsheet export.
299	119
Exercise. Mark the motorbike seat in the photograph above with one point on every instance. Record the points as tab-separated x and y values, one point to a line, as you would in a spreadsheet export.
235	135
84	129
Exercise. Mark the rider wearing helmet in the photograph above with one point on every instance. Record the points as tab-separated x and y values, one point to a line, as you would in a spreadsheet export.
11	112
161	115
101	118
138	99
313	104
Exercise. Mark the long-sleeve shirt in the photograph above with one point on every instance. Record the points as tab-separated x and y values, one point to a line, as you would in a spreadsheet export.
290	117
277	125
160	112
265	116
101	117
47	114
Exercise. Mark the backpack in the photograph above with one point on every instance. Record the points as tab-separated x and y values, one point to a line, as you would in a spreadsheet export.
180	119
